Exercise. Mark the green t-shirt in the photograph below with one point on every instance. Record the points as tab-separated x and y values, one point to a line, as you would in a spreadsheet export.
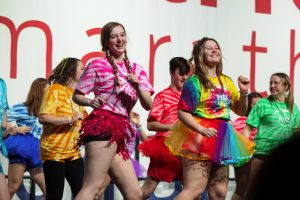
274	124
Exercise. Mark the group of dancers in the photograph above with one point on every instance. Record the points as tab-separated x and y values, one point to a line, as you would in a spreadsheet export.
195	140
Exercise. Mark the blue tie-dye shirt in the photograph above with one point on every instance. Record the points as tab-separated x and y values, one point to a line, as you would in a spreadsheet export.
19	114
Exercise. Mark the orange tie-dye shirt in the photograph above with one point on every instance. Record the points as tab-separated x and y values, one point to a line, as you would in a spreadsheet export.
58	143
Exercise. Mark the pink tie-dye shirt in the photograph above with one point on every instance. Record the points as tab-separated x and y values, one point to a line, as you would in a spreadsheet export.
98	78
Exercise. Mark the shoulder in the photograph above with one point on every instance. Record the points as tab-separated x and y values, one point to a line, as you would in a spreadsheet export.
163	92
55	86
227	79
98	63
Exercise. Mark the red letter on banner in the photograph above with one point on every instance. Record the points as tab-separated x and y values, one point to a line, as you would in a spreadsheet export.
89	56
153	48
14	34
176	1
293	58
263	6
253	49
211	3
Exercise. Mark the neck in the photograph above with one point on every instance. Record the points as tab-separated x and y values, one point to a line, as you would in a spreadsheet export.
174	87
72	84
212	71
280	98
118	58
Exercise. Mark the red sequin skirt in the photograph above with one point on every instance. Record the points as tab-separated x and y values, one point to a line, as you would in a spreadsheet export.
102	125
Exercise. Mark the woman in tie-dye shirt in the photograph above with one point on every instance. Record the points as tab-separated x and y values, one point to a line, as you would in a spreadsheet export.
117	84
23	140
204	138
61	119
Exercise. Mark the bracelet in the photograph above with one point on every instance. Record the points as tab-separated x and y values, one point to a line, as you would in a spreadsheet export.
69	121
244	93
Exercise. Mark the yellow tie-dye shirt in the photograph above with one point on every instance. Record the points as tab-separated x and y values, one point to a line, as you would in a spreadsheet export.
58	142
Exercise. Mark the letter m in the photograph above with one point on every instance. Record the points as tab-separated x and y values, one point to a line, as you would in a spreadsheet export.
14	33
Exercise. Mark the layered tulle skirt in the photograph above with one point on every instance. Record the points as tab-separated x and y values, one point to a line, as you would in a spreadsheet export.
164	166
227	147
25	146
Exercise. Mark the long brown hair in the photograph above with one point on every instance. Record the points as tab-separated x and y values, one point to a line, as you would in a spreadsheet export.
105	37
251	96
198	58
35	96
289	100
64	72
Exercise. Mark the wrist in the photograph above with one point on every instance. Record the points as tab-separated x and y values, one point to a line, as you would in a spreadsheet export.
244	93
69	120
139	128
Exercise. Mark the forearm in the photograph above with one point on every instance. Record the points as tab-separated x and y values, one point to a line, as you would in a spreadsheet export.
80	99
157	126
188	120
247	130
240	106
145	98
55	120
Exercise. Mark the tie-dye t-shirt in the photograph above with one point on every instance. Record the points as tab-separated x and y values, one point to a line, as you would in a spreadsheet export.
19	114
164	107
98	78
60	142
208	103
3	108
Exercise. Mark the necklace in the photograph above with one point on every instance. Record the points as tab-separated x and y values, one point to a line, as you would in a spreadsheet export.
283	119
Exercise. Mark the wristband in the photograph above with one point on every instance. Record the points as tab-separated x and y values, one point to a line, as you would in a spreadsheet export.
69	121
243	93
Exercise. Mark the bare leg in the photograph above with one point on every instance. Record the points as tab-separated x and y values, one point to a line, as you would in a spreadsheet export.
218	182
123	175
15	177
98	158
38	177
149	186
4	194
103	187
242	175
195	177
256	164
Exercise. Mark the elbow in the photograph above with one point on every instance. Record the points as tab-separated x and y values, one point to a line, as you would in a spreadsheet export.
149	126
75	99
41	119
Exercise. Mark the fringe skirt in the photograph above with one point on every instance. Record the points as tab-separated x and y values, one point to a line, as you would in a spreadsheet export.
102	125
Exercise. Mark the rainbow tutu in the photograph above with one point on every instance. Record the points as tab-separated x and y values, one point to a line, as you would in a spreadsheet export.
227	147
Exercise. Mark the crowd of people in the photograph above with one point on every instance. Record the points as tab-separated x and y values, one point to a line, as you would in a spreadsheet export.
195	141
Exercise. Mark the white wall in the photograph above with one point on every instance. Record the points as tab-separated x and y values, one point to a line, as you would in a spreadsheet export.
231	22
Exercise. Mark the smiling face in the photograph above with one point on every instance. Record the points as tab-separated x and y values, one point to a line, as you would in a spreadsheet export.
278	87
177	79
212	53
117	41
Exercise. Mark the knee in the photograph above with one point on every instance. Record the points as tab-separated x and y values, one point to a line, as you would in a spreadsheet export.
218	192
148	188
13	187
135	194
